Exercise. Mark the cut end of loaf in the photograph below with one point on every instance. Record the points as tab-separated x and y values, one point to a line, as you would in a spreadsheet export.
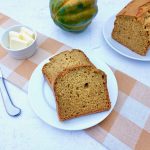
80	91
132	26
130	32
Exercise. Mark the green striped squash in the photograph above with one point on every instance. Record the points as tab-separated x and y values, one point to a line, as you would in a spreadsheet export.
73	15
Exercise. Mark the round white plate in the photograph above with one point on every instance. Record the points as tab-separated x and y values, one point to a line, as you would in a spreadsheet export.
107	30
42	100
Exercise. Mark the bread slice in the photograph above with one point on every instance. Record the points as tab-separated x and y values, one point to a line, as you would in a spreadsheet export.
80	91
132	26
64	60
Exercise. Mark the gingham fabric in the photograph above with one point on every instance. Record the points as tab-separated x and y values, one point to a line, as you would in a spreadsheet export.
126	128
19	72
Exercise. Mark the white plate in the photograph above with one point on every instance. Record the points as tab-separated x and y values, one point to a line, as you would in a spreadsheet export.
43	104
107	30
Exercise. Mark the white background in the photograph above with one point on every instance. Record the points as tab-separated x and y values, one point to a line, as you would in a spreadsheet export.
27	132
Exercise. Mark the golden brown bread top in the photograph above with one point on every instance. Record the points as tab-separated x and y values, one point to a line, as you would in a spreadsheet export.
136	8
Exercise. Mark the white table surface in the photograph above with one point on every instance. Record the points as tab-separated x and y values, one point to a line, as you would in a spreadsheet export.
28	132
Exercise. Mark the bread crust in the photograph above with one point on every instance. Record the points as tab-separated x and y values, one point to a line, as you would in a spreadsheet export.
92	112
135	8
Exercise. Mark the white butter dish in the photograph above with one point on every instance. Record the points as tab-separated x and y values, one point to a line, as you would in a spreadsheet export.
23	53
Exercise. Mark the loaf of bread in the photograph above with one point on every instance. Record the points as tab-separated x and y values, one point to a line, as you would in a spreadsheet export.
132	26
80	91
66	59
79	87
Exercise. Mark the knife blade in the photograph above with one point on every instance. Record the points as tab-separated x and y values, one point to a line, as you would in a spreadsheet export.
11	109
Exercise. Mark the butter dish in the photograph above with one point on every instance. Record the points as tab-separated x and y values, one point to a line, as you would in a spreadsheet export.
21	53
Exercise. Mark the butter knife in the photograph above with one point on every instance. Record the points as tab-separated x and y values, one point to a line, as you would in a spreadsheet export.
11	109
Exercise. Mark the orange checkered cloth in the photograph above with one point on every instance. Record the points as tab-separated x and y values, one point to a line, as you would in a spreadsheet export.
126	128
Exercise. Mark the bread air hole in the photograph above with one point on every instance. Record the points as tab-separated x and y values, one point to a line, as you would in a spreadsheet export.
86	85
103	76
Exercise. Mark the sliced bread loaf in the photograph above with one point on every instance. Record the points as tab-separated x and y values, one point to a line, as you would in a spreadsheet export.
64	60
80	91
132	26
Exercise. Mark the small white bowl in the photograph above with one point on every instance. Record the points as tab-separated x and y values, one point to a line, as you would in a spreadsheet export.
22	53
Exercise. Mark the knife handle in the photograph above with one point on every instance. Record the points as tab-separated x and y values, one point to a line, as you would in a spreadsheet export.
11	109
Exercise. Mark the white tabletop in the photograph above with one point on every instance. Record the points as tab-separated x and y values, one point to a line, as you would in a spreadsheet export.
28	131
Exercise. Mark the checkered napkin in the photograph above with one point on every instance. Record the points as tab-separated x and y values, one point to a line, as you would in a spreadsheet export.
126	128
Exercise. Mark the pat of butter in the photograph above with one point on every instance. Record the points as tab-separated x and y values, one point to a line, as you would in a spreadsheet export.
21	39
16	43
28	32
13	34
26	37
